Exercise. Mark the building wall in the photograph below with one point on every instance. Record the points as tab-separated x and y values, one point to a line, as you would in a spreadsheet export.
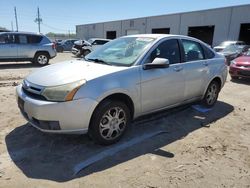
166	21
220	18
240	15
226	21
113	26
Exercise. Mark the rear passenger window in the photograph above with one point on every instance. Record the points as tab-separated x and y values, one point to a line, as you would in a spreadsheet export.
168	49
23	39
34	39
209	54
193	50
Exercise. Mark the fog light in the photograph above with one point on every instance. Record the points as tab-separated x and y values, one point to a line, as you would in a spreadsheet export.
47	125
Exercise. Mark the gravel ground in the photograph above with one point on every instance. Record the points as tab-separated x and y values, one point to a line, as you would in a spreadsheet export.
195	149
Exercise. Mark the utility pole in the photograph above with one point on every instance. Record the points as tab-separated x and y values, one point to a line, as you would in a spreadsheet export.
12	26
16	19
38	20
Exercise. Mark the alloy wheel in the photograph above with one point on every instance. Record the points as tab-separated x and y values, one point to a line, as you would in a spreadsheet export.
113	123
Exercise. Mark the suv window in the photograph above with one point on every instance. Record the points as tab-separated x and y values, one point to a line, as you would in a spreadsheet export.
7	39
22	39
193	50
168	49
34	39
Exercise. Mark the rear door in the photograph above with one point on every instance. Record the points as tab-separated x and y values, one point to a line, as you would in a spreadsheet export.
8	46
196	68
28	45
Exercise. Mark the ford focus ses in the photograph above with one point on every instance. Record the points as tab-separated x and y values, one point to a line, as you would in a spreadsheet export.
122	80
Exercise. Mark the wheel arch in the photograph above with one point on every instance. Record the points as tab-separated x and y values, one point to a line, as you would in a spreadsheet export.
42	51
120	97
218	79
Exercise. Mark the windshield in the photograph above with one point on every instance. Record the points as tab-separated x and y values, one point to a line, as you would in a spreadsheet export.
226	43
121	52
232	48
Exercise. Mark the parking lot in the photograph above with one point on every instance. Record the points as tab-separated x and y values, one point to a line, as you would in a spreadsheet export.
181	147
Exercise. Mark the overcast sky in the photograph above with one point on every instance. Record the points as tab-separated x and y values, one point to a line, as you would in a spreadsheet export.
60	16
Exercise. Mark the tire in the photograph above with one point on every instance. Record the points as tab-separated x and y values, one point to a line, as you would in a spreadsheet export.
211	94
41	59
86	52
60	49
109	122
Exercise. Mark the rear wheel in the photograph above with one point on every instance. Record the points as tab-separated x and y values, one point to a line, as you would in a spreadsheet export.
211	95
109	122
41	59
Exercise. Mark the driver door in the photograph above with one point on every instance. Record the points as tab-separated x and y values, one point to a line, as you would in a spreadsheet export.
162	87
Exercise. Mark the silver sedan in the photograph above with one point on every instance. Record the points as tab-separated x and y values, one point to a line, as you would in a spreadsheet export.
124	79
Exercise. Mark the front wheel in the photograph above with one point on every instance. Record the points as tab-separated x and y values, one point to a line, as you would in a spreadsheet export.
211	95
109	122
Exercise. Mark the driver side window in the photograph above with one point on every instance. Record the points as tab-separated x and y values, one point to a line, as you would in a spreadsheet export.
168	49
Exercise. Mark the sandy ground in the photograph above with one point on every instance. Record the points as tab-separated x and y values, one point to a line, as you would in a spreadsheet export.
196	149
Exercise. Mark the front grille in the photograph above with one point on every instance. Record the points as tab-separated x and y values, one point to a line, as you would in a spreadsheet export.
34	95
244	73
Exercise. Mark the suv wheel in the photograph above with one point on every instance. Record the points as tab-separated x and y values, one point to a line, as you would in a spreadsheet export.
109	122
41	59
212	94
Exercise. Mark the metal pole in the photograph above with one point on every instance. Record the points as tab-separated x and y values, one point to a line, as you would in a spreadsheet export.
16	19
12	26
38	15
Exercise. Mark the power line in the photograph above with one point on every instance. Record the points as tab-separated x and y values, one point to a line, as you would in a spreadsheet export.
54	28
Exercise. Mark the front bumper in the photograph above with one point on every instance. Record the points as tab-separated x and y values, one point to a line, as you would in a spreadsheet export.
74	51
239	71
72	117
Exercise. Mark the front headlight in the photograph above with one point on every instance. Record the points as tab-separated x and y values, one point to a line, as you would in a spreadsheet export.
64	92
233	63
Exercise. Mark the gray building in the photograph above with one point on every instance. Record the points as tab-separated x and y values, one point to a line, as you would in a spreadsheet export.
212	26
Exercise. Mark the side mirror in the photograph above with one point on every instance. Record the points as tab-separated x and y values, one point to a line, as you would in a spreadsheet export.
158	63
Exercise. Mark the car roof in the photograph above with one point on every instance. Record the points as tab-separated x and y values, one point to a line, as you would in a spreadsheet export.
100	39
21	32
161	36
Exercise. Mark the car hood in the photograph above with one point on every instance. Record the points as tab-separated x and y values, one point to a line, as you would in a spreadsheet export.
243	60
70	71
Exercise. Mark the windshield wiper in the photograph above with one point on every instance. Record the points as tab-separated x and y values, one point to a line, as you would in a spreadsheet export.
98	61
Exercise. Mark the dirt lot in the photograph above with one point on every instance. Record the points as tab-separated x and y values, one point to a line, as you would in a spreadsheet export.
195	149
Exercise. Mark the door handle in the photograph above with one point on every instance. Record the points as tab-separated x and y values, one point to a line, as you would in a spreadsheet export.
205	63
178	69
